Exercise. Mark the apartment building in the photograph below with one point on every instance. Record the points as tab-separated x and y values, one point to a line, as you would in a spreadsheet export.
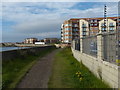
70	30
81	27
30	40
51	40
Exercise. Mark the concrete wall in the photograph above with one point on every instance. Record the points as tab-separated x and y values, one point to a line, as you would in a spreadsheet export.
10	55
109	73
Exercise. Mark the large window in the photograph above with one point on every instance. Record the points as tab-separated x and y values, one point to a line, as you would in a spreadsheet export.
96	24
92	21
75	25
95	28
95	20
84	29
83	25
84	33
91	24
75	29
111	29
103	28
67	28
111	24
66	37
68	24
66	33
103	24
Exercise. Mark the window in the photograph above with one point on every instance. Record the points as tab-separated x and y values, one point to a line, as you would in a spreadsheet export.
66	37
69	36
84	33
66	32
103	24
92	20
91	28
68	25
111	24
111	29
67	28
103	28
91	24
83	25
95	20
75	29
95	28
84	29
75	25
95	24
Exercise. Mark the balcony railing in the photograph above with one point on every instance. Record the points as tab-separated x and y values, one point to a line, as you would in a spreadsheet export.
84	26
111	26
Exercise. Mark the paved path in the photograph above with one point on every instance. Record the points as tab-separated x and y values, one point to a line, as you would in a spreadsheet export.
39	74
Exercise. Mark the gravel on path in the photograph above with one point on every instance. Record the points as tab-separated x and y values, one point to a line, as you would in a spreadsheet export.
38	75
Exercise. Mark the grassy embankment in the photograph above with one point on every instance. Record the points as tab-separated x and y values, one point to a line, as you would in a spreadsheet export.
14	70
69	73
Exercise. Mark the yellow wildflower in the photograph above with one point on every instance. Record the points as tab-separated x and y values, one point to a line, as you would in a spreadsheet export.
80	78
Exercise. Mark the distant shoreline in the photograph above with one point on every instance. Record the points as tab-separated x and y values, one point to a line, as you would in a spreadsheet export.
20	45
3	49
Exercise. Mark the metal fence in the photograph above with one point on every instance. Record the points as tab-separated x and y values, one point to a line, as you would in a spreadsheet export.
77	44
90	45
109	47
105	45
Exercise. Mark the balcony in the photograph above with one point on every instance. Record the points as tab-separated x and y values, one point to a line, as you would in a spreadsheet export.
111	25
84	26
75	34
84	34
84	30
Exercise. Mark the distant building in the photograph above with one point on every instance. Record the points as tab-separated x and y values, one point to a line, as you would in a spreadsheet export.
51	40
30	40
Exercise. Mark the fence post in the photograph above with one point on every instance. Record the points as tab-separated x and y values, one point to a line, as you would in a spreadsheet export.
73	44
100	46
81	45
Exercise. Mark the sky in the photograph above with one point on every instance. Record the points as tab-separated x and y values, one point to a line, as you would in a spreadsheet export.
22	20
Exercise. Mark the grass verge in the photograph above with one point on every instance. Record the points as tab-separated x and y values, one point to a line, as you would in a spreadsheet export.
14	70
69	73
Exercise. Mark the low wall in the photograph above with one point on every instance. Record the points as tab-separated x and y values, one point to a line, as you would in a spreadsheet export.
106	71
30	45
21	53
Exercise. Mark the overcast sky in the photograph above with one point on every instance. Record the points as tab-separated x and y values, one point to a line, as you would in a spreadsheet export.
22	20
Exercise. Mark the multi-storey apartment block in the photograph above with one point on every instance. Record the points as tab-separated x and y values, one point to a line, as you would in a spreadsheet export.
51	40
80	27
30	40
70	30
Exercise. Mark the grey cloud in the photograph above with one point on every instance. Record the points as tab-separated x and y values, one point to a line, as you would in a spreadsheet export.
37	27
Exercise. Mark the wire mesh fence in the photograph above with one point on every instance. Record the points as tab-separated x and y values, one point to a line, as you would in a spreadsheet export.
77	44
109	46
90	45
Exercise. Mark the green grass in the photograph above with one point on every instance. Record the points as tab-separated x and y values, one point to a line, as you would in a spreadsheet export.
64	71
14	70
